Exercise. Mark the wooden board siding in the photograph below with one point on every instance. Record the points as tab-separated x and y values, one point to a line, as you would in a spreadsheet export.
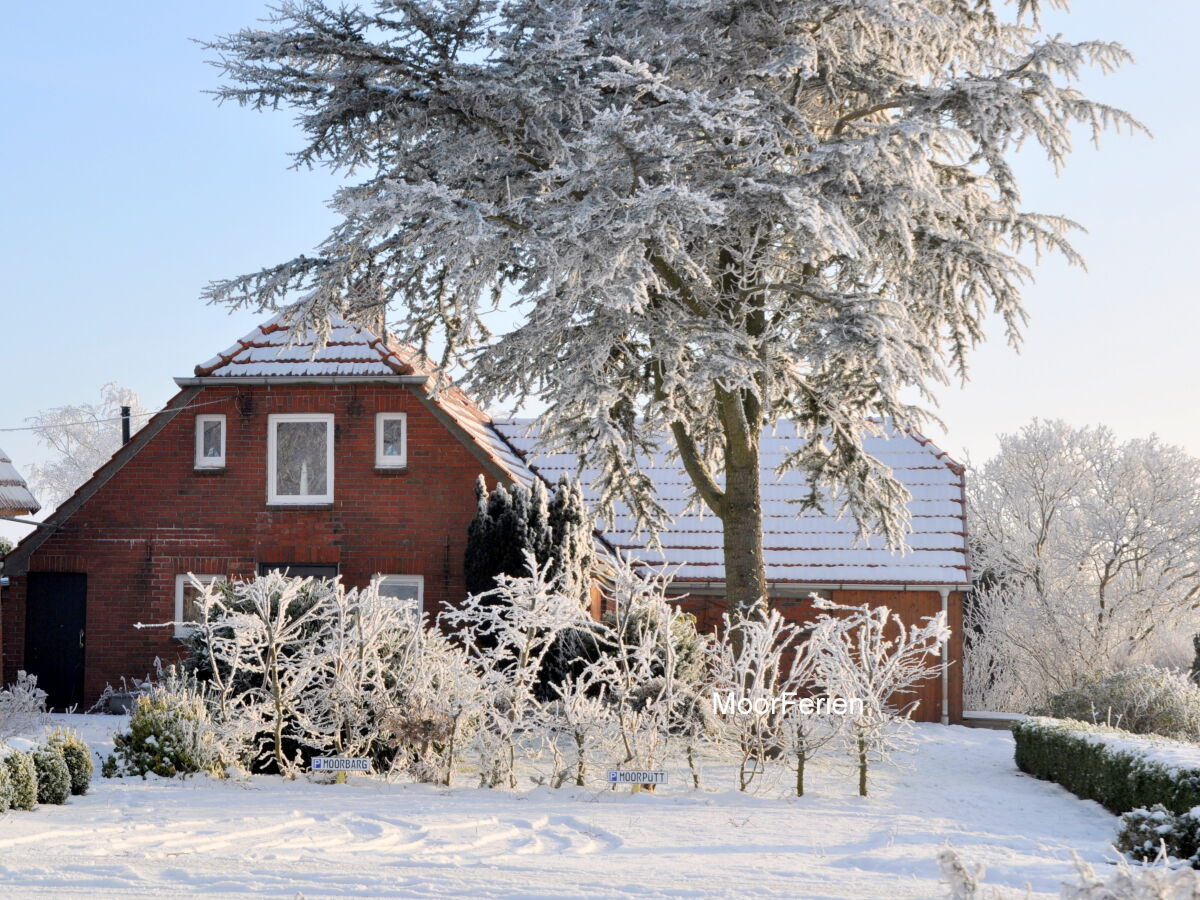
911	606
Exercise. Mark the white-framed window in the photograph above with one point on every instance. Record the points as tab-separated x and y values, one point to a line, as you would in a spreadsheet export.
300	458
186	594
210	442
391	440
408	591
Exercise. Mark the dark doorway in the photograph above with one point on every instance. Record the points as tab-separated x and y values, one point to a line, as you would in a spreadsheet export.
55	616
300	570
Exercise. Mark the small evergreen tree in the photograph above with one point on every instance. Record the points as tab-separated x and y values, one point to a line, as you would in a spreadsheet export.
24	779
53	776
6	790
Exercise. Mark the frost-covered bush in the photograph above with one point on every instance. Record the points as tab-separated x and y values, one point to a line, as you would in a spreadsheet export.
21	704
1145	833
1157	880
6	789
77	757
171	732
1142	699
23	776
53	776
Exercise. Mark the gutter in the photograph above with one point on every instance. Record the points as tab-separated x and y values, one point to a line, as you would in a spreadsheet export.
216	380
945	592
788	588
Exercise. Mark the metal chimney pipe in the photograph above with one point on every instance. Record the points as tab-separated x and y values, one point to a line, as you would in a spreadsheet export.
125	424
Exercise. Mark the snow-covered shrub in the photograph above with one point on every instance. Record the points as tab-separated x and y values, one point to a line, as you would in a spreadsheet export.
23	776
171	732
508	633
652	665
21	703
260	645
53	776
1145	833
77	757
1119	770
1158	880
1142	699
6	789
434	702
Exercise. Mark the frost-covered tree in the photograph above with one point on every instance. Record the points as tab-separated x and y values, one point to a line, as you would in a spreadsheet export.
869	654
82	438
701	215
1091	551
749	668
508	633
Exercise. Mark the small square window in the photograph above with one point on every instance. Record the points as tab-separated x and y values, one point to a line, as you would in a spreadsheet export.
300	458
210	442
407	591
391	440
186	594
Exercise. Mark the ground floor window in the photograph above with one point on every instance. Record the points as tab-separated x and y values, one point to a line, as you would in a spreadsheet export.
187	592
407	591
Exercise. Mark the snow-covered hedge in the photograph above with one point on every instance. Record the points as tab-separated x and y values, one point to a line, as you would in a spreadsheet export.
1119	770
1141	699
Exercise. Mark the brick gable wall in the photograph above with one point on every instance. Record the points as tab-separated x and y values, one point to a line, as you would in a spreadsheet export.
158	517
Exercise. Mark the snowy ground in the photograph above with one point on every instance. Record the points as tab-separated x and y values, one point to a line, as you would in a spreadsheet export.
157	838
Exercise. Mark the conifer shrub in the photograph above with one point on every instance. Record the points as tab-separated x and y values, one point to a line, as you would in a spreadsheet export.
77	757
53	776
170	733
23	775
6	790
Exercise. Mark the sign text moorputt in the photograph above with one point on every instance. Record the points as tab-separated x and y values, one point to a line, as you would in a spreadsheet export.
637	776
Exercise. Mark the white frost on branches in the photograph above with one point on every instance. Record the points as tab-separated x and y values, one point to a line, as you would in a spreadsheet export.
1087	553
82	438
868	653
704	215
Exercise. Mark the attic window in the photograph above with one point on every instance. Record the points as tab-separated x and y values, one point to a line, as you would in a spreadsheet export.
391	440
210	442
300	459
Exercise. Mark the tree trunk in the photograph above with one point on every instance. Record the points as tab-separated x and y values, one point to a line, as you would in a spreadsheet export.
745	574
862	766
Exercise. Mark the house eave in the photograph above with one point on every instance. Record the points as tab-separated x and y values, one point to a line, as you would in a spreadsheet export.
215	380
799	589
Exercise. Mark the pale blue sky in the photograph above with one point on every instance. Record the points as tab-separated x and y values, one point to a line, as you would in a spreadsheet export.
126	188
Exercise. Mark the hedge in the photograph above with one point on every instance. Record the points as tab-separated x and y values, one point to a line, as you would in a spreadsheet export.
1083	759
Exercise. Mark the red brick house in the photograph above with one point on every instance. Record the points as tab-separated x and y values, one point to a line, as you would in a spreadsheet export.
15	501
343	460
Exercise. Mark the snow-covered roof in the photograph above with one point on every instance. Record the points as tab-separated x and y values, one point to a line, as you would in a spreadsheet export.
354	351
803	549
272	350
15	498
806	548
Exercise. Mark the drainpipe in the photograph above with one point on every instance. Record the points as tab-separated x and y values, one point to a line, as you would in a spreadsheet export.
945	592
125	413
